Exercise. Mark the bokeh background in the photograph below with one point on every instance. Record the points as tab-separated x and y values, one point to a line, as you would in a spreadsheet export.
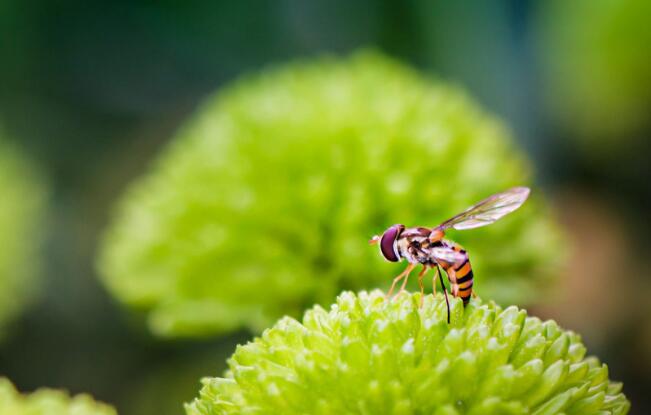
91	91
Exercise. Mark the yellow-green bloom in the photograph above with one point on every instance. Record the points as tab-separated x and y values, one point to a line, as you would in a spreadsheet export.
370	356
48	402
22	202
284	176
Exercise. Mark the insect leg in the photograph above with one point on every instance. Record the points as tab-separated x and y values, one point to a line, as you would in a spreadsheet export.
452	276
420	284
404	282
436	274
402	275
445	291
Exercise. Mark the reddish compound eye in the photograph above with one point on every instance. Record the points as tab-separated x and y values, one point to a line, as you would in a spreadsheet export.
387	245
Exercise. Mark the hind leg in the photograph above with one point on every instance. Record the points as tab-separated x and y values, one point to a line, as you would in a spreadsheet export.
452	276
436	274
421	274
445	291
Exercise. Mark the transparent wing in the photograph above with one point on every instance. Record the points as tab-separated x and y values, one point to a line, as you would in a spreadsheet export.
488	210
448	255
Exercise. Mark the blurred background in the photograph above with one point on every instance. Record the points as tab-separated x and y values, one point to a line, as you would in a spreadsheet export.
91	91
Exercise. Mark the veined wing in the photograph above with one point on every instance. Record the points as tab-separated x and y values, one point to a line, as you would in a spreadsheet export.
488	210
449	255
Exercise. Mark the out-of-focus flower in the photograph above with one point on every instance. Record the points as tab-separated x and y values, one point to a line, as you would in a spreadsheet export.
369	356
21	229
284	176
48	402
596	57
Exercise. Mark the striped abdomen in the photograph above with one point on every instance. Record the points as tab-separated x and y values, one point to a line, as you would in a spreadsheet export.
462	272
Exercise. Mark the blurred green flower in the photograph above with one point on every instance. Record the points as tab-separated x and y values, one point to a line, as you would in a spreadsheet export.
368	356
21	229
48	402
596	55
287	174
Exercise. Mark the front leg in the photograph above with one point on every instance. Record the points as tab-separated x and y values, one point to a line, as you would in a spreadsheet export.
404	282
402	275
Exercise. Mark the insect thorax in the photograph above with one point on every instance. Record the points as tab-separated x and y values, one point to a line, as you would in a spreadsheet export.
413	244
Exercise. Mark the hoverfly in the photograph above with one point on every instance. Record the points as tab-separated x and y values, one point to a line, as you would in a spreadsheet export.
426	246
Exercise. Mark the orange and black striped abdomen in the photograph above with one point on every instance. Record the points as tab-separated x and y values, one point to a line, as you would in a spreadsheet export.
464	275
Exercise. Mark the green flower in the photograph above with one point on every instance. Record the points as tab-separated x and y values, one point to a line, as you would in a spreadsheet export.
286	175
48	402
596	58
21	213
369	356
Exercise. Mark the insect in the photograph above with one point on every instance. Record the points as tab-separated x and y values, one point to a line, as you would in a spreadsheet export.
426	246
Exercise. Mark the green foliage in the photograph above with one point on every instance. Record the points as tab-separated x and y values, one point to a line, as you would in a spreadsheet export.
284	176
368	356
596	54
48	402
21	222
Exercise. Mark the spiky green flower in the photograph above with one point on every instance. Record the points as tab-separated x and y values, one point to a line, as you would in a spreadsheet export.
21	228
284	176
369	356
48	402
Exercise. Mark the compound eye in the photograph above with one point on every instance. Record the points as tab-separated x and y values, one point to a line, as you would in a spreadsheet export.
387	245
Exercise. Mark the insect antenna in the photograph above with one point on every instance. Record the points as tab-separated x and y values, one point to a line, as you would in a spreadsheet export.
445	291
